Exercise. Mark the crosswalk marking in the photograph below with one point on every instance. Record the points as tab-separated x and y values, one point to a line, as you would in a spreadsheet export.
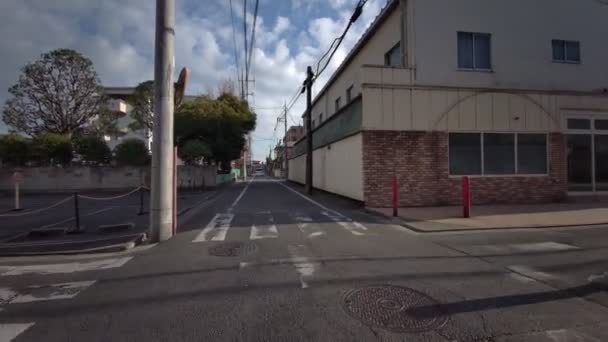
11	330
70	267
37	293
353	227
216	229
264	232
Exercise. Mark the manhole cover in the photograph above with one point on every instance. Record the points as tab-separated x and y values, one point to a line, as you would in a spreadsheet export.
394	308
230	249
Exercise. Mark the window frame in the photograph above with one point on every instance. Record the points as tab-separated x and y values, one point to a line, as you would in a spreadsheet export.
516	156
473	35
564	43
396	47
349	94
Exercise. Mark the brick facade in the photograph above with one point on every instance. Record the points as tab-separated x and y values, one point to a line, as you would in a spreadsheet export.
420	161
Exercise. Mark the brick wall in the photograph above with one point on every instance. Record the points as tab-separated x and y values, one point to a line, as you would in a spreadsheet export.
420	161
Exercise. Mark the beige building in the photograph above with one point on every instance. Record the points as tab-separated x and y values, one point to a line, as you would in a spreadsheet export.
513	94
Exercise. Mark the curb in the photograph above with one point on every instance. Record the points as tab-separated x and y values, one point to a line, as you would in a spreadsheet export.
405	224
106	245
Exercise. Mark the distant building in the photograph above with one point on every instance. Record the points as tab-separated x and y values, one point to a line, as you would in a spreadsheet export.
119	102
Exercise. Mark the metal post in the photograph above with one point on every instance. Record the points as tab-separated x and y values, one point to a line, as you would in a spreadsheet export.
466	197
395	196
76	212
141	201
161	206
308	83
174	226
17	204
285	147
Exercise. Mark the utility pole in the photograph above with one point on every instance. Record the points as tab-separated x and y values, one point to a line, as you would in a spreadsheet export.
161	201
308	84
285	147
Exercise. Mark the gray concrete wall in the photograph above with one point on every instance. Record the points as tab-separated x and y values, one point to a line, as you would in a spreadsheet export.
102	178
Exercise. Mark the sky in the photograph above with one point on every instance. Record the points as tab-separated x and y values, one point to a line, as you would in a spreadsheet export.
118	36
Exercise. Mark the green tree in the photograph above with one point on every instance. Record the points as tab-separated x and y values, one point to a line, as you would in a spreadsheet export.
59	94
142	102
53	149
15	150
193	151
92	148
220	122
132	152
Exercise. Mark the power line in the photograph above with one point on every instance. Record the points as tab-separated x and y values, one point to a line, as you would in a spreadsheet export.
356	14
252	40
236	53
246	76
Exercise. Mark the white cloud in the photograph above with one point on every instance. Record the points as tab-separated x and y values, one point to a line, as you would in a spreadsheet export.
119	37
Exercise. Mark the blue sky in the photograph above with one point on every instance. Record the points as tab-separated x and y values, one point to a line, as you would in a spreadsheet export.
118	36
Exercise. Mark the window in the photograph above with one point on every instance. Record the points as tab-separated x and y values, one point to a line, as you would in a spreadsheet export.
393	57
338	103
474	51
499	154
601	125
465	153
313	124
531	154
579	124
565	51
320	118
503	153
349	94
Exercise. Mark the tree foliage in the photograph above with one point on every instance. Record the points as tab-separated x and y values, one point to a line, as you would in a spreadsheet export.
92	148
142	101
57	94
221	123
193	151
132	152
53	149
15	150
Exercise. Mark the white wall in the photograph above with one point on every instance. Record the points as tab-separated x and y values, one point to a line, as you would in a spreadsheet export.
89	178
522	31
387	35
395	108
337	168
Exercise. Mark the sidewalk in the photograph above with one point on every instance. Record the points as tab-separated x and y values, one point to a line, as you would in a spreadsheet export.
488	217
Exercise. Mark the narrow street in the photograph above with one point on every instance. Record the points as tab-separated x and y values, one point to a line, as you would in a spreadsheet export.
263	262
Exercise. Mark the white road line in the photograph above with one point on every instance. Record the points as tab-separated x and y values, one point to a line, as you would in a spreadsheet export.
304	225
304	267
264	232
217	228
70	267
598	277
51	292
236	201
346	223
10	331
548	246
342	218
530	272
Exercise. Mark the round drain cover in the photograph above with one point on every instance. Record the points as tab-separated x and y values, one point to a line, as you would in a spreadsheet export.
231	249
394	308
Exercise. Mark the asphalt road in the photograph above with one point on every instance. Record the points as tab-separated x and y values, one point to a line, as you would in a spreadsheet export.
317	269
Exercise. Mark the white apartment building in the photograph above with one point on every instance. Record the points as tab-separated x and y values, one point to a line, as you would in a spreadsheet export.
513	94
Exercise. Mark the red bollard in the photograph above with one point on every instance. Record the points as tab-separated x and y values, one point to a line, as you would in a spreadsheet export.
395	197
466	197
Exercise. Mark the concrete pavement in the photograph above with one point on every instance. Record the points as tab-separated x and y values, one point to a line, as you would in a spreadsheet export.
314	269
